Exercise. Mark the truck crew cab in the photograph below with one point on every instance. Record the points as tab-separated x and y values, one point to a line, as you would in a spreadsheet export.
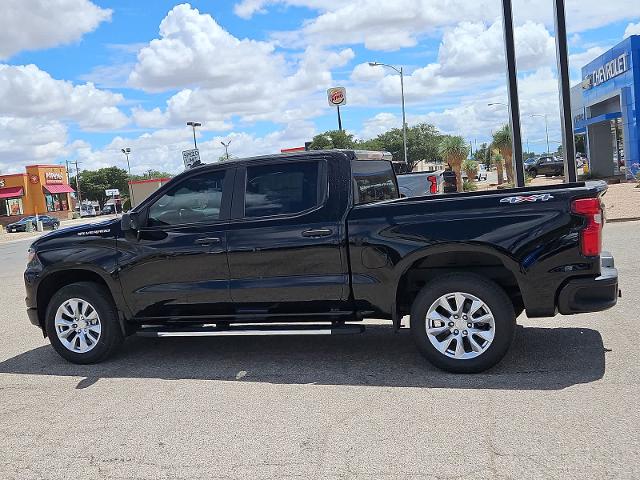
312	244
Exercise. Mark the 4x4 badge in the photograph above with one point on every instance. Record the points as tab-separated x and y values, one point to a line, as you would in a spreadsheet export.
527	198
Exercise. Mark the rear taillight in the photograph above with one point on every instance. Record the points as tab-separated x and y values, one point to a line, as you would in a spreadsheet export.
433	184
591	235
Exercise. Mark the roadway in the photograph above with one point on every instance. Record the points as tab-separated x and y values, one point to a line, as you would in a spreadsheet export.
563	404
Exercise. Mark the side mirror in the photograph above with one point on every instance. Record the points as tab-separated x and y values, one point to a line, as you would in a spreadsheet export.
130	221
125	222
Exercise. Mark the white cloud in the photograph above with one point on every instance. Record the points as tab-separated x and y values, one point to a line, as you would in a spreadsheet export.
27	92
193	49
389	26
36	24
471	55
363	72
161	149
632	29
247	8
28	140
222	76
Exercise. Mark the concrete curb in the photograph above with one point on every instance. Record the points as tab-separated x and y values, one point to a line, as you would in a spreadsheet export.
621	220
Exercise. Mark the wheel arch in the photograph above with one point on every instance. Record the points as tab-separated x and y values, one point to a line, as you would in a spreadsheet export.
58	279
420	268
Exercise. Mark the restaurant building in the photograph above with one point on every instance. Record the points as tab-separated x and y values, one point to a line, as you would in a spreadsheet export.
42	189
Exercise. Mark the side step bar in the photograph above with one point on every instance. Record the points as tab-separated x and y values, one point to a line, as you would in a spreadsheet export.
251	330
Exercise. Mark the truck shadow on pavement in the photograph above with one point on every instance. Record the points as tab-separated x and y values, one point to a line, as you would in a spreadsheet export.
540	359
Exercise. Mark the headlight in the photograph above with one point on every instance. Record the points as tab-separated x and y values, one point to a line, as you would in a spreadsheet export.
31	253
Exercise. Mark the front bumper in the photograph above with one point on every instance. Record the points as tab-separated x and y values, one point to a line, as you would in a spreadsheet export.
582	295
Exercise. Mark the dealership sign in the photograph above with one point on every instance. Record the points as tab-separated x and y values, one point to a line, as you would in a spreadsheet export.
337	96
53	178
606	72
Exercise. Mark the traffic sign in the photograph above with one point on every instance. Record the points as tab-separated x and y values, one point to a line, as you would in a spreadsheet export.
191	158
112	192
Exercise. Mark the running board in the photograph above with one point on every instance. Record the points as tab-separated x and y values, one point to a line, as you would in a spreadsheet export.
257	330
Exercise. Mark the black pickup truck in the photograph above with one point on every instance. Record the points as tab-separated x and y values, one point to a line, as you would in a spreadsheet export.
312	244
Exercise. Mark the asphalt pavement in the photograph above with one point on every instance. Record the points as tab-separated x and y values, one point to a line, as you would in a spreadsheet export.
562	404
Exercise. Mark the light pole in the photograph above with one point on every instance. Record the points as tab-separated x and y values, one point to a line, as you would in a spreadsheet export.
226	148
546	126
404	118
126	152
194	125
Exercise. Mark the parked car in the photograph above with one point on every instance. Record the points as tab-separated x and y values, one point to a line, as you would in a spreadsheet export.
313	243
48	222
108	209
420	183
86	210
482	172
547	165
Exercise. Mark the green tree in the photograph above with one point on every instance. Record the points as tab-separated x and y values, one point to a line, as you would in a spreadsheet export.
454	150
423	142
502	142
470	167
151	173
93	183
332	139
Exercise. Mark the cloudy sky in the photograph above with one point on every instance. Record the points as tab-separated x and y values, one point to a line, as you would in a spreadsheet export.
81	79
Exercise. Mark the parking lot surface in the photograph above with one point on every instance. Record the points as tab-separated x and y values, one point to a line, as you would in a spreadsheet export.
563	403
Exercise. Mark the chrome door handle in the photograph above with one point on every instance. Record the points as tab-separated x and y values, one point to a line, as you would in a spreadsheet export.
207	241
317	232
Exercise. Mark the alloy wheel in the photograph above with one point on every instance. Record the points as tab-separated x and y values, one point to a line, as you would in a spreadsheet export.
460	325
77	325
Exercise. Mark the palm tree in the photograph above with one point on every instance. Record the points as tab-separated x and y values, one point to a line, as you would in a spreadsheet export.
502	141
454	150
498	162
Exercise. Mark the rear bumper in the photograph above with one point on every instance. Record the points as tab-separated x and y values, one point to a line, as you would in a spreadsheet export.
583	295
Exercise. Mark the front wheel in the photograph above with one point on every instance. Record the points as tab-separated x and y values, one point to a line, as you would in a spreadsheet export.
463	323
82	323
533	173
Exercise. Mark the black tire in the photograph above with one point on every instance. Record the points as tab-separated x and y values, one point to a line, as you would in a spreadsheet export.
484	289
98	296
533	173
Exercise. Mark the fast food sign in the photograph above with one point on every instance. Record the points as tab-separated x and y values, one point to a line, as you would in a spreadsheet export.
337	96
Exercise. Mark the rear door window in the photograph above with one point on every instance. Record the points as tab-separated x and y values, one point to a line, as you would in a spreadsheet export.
283	188
374	181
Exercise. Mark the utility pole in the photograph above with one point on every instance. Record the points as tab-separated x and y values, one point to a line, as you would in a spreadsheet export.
512	89
78	187
126	152
193	125
404	117
226	148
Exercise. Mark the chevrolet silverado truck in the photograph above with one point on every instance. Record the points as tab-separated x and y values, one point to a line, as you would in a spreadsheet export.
312	244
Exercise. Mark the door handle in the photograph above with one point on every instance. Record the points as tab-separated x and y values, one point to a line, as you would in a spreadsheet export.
317	232
207	241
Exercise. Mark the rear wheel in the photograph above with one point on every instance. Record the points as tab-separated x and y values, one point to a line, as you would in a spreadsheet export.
463	323
82	323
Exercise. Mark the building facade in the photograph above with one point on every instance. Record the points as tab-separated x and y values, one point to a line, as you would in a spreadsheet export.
42	189
606	110
139	190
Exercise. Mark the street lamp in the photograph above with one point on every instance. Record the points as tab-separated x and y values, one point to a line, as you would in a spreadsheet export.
226	148
126	152
546	126
493	104
194	125
404	119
